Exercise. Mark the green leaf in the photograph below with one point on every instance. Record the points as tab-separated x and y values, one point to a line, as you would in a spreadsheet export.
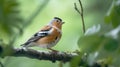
102	46
90	43
113	15
112	40
75	61
97	40
111	45
80	60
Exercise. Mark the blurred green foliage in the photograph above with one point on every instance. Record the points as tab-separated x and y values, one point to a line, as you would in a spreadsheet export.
10	19
114	14
103	45
100	42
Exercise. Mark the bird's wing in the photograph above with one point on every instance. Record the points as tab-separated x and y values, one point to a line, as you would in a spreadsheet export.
42	33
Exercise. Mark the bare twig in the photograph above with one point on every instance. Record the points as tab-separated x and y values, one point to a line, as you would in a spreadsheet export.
81	13
81	6
77	8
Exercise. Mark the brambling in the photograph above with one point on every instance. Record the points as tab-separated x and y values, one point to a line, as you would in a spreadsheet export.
48	36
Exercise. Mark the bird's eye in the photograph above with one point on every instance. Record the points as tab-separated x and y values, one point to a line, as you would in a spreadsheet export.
57	20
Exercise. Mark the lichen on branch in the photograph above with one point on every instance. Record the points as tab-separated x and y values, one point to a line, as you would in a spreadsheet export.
44	55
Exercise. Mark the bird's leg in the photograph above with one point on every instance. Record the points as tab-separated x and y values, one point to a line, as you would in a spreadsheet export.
52	50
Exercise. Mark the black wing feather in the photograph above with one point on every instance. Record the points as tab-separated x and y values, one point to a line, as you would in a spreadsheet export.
36	37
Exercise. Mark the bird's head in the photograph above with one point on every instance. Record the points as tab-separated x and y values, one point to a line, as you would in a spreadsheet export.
57	22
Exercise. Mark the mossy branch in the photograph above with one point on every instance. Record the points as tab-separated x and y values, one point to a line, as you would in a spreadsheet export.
42	55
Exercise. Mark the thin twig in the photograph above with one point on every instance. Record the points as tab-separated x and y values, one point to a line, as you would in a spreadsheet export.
81	6
77	8
81	13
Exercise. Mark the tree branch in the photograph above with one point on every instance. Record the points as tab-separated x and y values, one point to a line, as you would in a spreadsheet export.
44	55
51	56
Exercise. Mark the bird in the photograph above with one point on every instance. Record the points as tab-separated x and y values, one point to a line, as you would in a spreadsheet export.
48	36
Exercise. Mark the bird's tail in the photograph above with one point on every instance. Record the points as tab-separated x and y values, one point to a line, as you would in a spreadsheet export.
22	45
28	44
25	44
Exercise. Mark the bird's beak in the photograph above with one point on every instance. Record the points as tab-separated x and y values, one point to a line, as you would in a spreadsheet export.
63	22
